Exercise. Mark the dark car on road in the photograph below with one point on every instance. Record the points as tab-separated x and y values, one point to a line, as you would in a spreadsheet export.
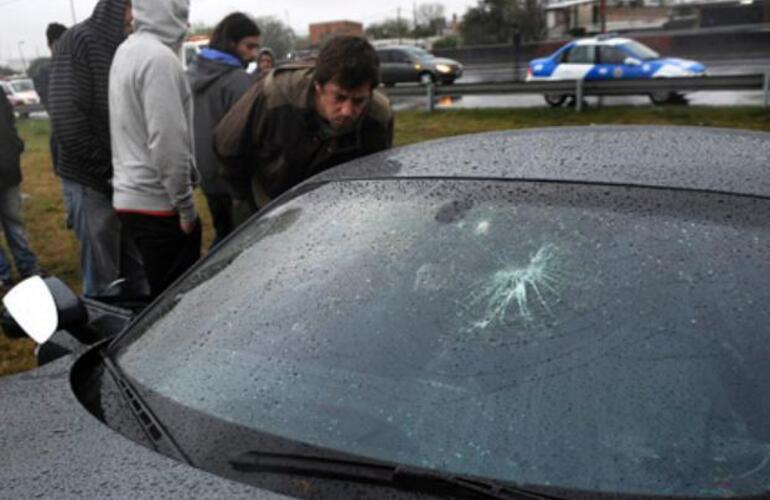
564	313
407	63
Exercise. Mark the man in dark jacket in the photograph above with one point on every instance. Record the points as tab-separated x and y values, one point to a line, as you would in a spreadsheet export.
78	105
298	121
218	80
11	147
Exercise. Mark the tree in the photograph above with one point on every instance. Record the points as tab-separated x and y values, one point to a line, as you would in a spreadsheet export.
447	42
428	13
36	65
390	28
497	21
201	29
6	71
276	36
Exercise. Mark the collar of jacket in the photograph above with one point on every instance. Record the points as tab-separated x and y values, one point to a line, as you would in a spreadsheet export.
221	57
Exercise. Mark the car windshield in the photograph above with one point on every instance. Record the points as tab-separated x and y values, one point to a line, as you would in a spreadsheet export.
418	52
22	85
640	51
602	338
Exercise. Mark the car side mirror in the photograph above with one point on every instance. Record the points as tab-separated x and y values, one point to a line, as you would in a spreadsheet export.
40	307
632	61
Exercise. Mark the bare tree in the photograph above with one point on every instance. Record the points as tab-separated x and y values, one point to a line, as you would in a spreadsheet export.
427	13
276	35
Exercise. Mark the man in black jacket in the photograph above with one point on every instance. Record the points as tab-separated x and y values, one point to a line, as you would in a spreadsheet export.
11	147
218	79
78	105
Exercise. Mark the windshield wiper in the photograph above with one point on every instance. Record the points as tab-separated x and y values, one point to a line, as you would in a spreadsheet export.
397	476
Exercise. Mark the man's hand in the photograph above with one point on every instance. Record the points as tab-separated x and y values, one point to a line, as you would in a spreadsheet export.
188	227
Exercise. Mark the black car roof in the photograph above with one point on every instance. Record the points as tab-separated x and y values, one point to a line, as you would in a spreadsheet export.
707	159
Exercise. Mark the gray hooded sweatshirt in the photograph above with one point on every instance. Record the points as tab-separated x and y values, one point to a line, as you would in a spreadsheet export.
151	115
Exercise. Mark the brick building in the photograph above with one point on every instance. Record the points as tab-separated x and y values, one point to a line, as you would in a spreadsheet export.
321	31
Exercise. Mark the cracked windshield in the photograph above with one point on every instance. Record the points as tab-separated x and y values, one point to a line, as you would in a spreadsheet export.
453	325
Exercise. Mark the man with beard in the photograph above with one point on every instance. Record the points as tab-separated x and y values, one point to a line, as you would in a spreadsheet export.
218	80
298	121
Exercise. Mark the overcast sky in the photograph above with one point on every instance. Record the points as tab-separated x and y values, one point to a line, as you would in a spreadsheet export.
25	20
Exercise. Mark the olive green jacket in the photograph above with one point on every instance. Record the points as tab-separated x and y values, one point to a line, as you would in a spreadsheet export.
272	139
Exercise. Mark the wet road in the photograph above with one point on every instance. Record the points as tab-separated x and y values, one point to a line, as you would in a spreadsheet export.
502	73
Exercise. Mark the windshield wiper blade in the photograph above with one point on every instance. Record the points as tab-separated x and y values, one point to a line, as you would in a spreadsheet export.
398	476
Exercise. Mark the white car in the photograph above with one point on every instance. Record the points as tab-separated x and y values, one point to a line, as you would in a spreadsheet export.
22	95
610	57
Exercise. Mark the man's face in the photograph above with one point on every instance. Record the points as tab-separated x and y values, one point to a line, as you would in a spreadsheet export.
339	106
265	62
247	49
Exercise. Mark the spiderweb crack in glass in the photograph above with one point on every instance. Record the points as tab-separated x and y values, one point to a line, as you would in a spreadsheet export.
513	287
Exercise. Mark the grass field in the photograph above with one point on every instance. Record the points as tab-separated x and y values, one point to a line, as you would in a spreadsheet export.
57	247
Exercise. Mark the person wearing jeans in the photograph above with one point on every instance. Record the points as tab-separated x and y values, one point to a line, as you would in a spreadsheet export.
78	105
102	239
11	147
13	227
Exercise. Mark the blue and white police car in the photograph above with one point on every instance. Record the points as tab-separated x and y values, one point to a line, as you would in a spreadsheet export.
607	58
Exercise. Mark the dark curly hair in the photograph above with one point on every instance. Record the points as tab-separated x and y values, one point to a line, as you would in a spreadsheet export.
231	30
349	61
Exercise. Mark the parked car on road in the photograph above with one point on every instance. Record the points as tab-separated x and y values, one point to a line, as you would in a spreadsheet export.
610	58
568	313
407	63
191	47
22	95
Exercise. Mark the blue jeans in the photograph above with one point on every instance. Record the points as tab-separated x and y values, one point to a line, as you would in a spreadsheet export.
110	263
10	217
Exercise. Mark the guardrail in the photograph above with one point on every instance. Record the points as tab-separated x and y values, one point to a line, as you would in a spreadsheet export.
580	88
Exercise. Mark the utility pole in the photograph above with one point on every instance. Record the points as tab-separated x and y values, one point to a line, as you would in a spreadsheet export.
398	25
603	15
21	54
72	10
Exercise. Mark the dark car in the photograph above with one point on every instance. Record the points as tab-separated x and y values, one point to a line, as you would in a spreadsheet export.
407	63
568	312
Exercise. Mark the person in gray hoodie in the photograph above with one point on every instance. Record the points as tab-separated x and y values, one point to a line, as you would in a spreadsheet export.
152	142
218	79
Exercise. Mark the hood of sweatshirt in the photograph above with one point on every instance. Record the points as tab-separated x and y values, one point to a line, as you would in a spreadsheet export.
167	20
207	69
107	22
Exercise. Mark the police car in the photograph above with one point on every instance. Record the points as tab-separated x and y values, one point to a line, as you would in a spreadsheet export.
607	58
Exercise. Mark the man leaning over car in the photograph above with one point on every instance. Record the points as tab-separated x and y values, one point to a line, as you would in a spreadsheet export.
298	121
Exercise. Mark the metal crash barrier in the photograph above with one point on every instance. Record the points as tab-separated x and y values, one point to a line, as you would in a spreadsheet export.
581	88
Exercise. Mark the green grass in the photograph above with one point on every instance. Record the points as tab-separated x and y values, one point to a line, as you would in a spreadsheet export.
417	126
57	247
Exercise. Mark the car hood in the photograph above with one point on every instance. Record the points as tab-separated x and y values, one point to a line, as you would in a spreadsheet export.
541	60
54	448
684	64
27	94
443	60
